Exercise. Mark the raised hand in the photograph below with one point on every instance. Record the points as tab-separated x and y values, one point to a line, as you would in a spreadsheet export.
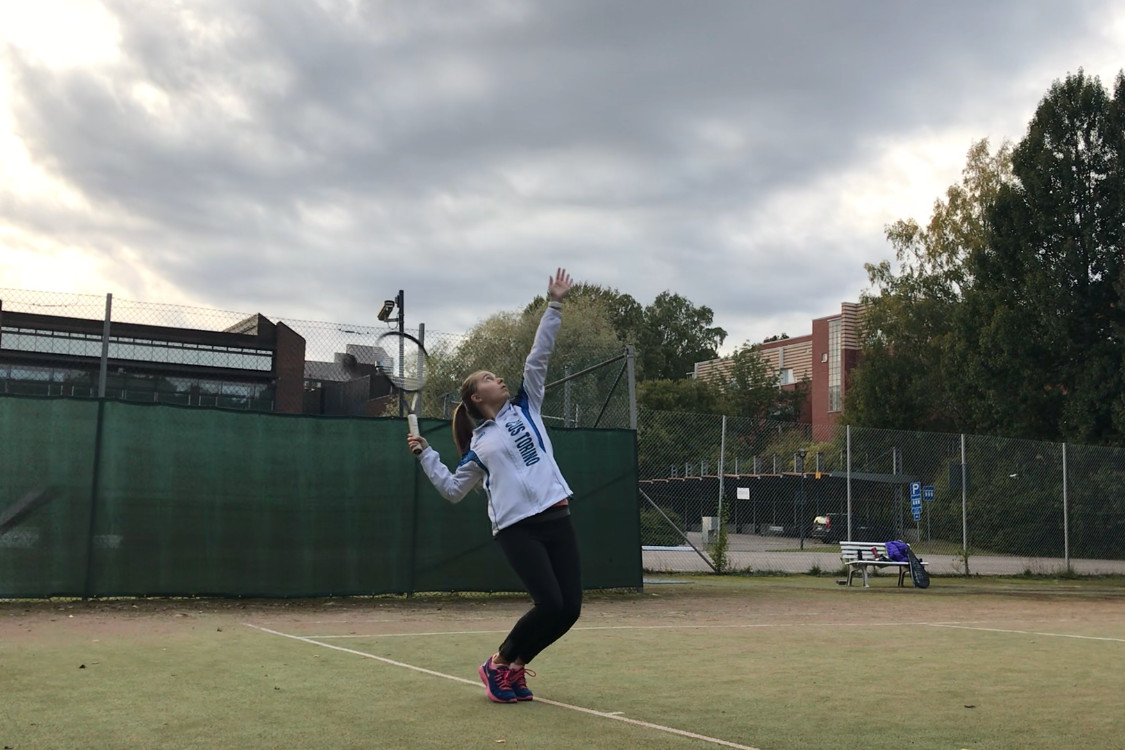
558	285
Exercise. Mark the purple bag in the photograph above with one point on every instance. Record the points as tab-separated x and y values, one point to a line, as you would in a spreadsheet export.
896	551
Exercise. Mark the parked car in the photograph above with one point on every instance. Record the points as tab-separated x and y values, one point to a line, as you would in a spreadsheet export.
832	527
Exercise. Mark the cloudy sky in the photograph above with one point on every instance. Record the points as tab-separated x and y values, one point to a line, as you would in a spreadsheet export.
309	158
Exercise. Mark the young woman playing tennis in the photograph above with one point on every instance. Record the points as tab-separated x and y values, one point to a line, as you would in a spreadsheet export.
509	453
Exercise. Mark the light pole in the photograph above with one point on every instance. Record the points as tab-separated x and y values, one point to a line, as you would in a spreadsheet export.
385	316
801	452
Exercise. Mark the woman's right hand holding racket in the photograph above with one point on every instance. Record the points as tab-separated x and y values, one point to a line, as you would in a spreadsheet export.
417	443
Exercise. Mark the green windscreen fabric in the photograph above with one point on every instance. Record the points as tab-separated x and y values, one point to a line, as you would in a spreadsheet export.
169	500
46	443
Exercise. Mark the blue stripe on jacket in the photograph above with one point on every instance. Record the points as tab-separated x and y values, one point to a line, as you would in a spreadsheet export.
522	401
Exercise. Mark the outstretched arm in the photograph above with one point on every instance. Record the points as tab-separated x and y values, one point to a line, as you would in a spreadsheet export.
535	368
452	485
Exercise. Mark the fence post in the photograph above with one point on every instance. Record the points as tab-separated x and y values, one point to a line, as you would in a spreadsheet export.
722	467
1066	514
566	398
630	368
95	480
964	506
104	369
849	475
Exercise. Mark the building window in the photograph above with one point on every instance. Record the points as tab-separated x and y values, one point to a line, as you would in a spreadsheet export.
834	394
785	376
136	349
35	380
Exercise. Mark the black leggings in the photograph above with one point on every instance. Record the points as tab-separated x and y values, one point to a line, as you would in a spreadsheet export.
544	554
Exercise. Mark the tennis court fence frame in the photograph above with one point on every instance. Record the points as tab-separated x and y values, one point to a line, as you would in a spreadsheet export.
982	504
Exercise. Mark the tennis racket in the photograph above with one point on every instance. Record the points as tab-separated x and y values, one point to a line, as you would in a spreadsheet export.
403	360
22	508
918	572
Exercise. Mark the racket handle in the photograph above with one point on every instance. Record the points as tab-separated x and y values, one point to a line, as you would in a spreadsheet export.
412	425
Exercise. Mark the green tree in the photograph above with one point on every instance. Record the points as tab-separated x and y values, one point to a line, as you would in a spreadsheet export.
1047	288
683	395
500	344
1006	314
671	334
676	334
751	389
910	375
625	314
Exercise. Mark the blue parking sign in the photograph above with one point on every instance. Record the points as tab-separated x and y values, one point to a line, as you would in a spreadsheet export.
916	500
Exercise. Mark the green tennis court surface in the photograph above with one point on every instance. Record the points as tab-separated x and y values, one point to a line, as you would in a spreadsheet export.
733	662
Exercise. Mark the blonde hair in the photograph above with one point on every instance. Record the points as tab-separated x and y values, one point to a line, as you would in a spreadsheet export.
465	413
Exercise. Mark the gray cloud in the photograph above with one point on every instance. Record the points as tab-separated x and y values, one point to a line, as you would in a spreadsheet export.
310	159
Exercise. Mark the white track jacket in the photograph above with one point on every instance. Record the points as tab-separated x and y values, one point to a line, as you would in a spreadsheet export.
511	456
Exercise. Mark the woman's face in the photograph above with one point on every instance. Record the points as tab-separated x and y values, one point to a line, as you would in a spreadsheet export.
491	390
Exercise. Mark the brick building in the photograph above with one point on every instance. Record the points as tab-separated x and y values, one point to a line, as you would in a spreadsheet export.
824	358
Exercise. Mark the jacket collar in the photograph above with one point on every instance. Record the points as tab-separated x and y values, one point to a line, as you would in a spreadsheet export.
503	410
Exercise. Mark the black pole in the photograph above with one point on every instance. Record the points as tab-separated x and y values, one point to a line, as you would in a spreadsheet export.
802	521
400	300
88	584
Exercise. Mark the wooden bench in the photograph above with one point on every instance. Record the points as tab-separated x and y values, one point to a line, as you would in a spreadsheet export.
859	556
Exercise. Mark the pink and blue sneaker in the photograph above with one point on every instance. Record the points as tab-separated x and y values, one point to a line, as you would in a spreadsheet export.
517	678
496	682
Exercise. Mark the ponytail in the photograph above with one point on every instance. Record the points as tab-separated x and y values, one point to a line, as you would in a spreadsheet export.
465	413
462	429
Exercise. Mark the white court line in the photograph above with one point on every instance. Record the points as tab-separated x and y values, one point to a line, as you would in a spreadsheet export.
1025	632
580	709
732	626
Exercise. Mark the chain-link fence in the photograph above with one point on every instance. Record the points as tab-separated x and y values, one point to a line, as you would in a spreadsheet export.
89	345
788	493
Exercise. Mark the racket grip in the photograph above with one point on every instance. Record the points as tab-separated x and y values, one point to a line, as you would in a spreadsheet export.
412	426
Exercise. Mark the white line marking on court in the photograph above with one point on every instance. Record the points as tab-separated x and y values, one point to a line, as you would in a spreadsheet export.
732	626
403	635
1025	632
615	716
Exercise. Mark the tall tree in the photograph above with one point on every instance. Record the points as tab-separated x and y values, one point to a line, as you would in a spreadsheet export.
1047	288
752	389
1008	313
684	395
625	314
501	343
674	336
911	376
745	387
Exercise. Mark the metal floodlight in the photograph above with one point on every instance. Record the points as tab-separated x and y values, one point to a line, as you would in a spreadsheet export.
387	309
